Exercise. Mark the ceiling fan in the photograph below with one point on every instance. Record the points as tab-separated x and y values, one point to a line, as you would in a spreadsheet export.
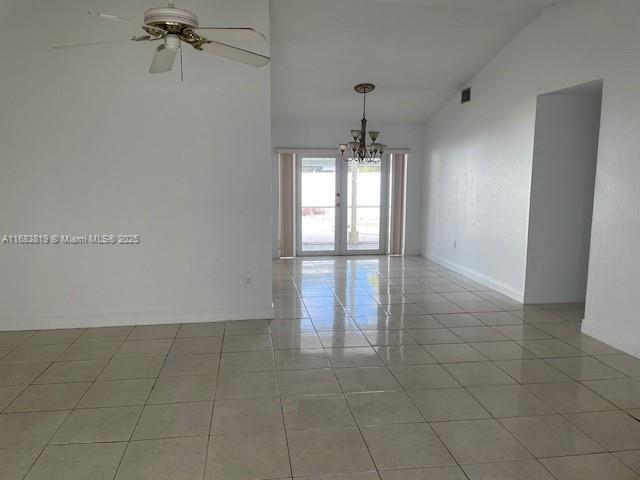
174	26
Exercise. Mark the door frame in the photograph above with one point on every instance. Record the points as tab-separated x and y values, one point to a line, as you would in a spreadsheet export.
341	208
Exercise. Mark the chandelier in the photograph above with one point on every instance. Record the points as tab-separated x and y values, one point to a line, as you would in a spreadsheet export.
360	150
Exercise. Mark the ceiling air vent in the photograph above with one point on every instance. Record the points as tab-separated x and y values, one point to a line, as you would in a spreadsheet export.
465	97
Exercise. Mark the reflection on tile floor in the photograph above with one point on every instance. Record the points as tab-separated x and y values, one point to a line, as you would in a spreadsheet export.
374	368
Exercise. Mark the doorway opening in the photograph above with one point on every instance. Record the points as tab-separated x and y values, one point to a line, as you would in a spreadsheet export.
562	191
331	206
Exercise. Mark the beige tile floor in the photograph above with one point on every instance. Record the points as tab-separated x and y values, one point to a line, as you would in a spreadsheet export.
374	369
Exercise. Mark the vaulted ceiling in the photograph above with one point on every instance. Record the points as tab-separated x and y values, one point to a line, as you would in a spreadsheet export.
417	52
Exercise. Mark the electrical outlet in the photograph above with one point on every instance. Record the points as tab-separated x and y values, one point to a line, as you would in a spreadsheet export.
248	280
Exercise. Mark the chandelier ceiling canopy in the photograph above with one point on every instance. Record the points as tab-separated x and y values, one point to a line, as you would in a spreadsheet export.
359	149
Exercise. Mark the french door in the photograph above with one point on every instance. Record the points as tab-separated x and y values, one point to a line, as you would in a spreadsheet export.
341	206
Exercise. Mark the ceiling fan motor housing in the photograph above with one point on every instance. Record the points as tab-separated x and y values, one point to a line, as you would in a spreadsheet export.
173	20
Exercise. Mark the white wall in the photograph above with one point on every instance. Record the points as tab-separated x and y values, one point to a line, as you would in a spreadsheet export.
91	143
562	189
329	136
479	160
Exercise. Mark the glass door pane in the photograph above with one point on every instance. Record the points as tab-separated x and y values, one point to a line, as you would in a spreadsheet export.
364	213
317	206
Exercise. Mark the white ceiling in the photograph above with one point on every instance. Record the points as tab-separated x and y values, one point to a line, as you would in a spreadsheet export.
417	52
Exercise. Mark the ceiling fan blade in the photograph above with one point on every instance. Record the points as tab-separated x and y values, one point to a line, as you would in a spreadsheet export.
235	53
163	59
143	38
230	34
104	16
88	44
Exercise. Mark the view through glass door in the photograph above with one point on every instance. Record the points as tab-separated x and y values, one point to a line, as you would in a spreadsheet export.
341	206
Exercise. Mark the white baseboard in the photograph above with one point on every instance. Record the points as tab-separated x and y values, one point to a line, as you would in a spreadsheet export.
135	318
482	279
614	337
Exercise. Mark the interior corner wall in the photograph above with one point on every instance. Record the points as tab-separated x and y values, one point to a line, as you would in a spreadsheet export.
329	136
478	160
562	190
93	144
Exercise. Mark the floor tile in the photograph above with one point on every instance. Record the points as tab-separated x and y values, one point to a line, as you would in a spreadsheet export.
550	436
97	461
195	346
522	470
382	408
613	430
459	320
389	337
413	377
176	365
243	362
114	393
15	338
247	415
479	441
246	385
190	330
247	456
174	420
591	346
165	459
105	334
550	348
522	332
532	371
247	327
570	397
411	445
153	332
433	336
502	351
328	451
89	351
34	354
584	368
624	363
15	462
132	368
98	425
52	337
144	348
454	352
589	467
246	343
8	394
498	318
300	325
478	374
404	355
308	382
29	429
510	401
478	334
22	374
631	459
431	473
443	404
316	411
353	357
188	388
57	396
622	392
366	379
303	359
73	371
